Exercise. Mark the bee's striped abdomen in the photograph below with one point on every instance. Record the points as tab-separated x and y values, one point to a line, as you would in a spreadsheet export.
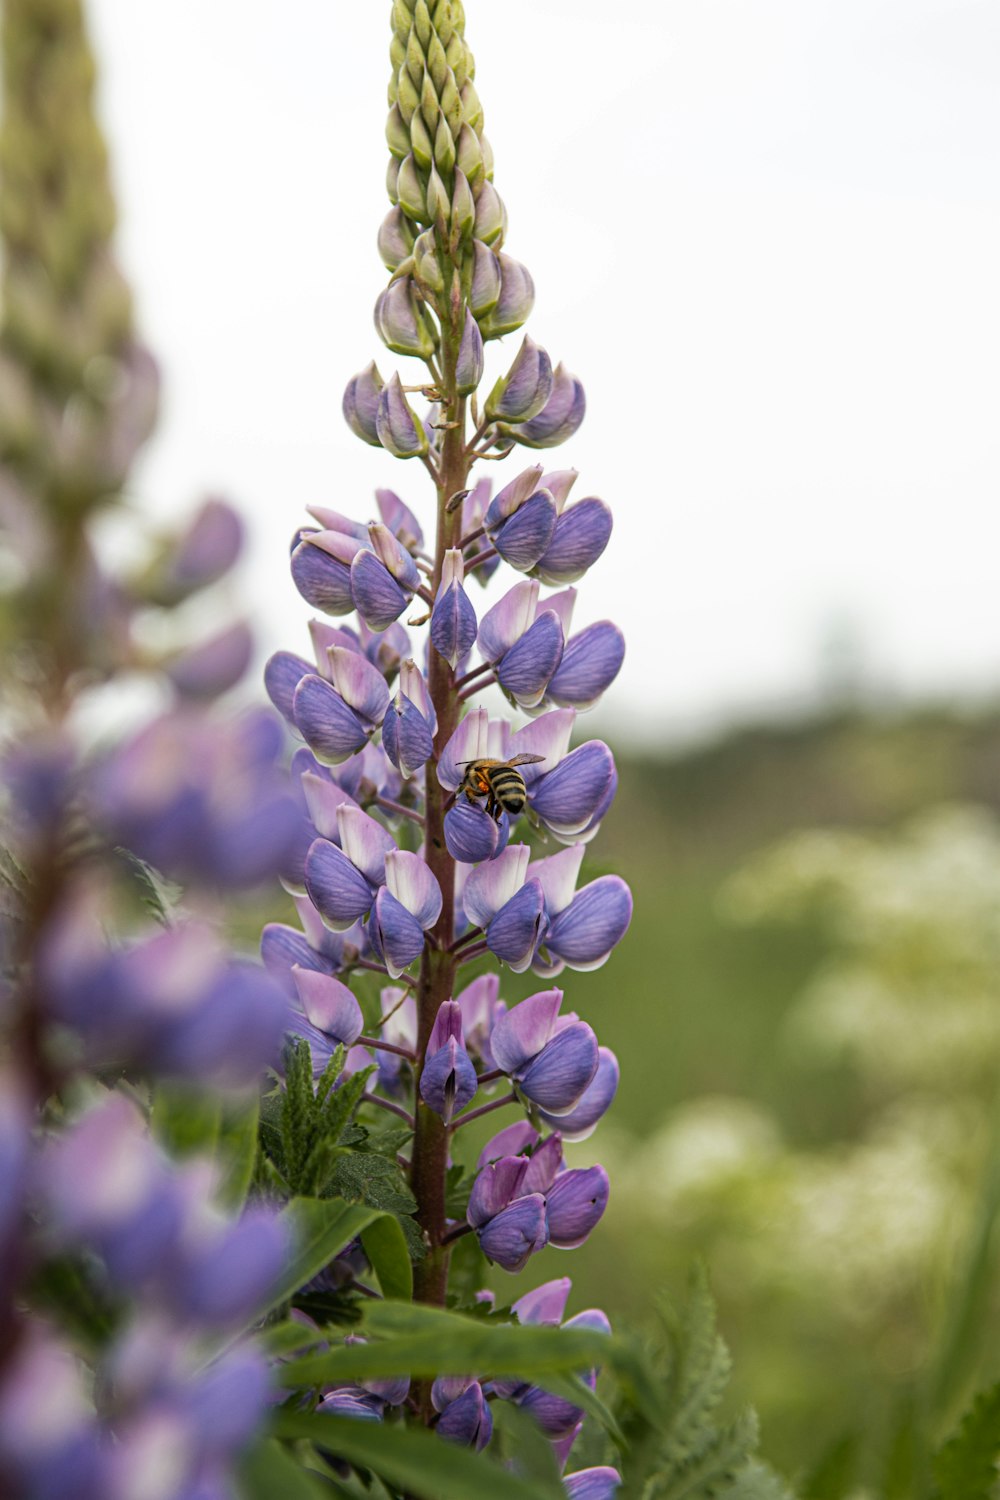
507	786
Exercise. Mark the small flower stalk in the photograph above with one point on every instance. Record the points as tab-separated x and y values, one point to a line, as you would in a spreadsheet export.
436	835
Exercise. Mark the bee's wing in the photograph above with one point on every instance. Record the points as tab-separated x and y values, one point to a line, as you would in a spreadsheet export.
524	760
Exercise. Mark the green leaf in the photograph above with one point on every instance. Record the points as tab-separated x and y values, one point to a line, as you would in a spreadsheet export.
757	1481
715	1463
417	1340
159	896
371	1178
385	1247
412	1459
185	1120
965	1468
835	1474
320	1228
269	1471
519	1438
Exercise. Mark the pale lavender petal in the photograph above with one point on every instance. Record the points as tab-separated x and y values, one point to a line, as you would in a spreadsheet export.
414	885
596	919
508	620
448	1388
282	947
397	938
399	518
521	1034
545	1304
365	842
559	482
397	427
478	1001
562	604
559	1075
212	667
490	886
495	1186
576	1202
548	736
518	927
336	887
512	1141
470	361
580	536
331	729
322	580
469	742
352	1401
361	685
324	799
593	1103
557	875
471	834
545	1164
556	1416
344	528
528	535
514	304
360	404
377	596
516	1233
411	682
394	557
590	663
448	1024
512	496
524	670
329	1005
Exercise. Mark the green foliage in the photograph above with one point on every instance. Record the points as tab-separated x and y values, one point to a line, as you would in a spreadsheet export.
835	1475
386	1248
686	1454
320	1228
159	897
965	1468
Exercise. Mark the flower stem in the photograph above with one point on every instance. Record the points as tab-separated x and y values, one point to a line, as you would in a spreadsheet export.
484	1109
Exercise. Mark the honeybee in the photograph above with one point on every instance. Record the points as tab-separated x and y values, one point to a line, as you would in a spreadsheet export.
497	781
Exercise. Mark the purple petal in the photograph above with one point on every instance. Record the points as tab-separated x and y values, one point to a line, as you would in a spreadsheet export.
331	729
352	1401
517	297
593	1103
590	663
554	1415
336	887
470	361
339	535
468	1420
414	885
448	1080
360	403
282	947
398	429
207	549
448	1388
513	495
518	927
508	620
580	536
397	938
592	1484
559	1075
469	742
496	1185
596	919
448	1024
322	580
471	834
557	875
528	535
362	686
478	1002
516	1233
492	885
365	842
567	797
525	669
561	415
521	1034
576	1202
282	675
324	799
548	736
229	1281
453	624
512	1141
545	1304
562	604
525	388
329	1005
377	596
393	556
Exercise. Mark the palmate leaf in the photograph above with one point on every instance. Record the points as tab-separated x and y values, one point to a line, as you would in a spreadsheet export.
965	1468
410	1460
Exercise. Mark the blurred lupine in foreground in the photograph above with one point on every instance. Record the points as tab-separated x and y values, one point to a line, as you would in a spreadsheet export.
123	1276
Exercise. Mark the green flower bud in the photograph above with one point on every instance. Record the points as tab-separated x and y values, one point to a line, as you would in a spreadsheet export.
396	133
407	97
470	155
444	148
410	192
401	324
472	110
438	204
427	266
423	150
489	215
437	64
463	206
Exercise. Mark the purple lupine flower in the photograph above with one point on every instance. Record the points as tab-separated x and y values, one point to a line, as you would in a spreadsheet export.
471	358
321	570
203	553
212	667
471	834
361	403
337	888
515	301
510	909
584	926
559	418
589	664
448	1080
551	1061
352	1401
576	1200
525	670
568	798
510	1225
50	1442
481	1008
453	619
578	539
525	388
467	1420
398	429
327	1015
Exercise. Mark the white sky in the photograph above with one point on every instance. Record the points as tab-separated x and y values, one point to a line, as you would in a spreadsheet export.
765	233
